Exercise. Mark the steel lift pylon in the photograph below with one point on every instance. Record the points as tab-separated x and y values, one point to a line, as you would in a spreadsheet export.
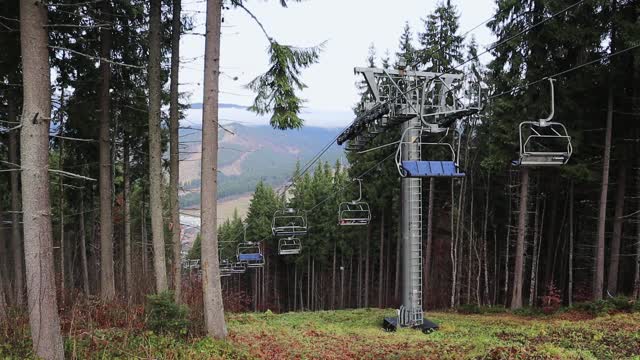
412	100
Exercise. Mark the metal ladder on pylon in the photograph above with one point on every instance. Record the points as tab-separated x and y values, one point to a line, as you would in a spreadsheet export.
415	231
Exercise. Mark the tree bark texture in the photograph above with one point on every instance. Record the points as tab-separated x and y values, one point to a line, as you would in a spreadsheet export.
598	276
214	310
174	168
155	149
518	274
107	277
36	203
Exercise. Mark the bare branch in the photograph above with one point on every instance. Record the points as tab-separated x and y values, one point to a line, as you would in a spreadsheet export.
240	5
71	175
9	163
73	139
10	129
96	57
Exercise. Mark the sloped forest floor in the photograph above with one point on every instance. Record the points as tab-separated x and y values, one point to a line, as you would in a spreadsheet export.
354	334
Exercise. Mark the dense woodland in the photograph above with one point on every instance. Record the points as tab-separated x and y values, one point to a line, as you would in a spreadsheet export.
87	210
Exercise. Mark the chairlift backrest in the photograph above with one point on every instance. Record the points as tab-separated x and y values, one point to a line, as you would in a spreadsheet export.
250	253
288	222
409	162
544	142
354	212
289	246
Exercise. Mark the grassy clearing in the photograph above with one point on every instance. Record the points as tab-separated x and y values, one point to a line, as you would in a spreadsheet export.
357	334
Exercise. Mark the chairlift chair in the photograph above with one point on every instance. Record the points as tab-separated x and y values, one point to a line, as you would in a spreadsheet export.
355	212
411	168
238	267
225	268
544	142
289	246
250	253
288	222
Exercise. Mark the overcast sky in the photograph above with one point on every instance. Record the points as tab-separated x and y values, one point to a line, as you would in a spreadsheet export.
348	26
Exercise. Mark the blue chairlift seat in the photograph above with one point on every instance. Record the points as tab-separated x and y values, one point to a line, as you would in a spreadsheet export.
250	257
422	169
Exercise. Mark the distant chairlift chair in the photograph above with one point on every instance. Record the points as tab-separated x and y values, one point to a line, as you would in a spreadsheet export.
250	253
225	268
544	142
426	168
238	267
288	222
289	246
355	212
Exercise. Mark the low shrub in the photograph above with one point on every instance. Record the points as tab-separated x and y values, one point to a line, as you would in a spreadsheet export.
469	309
528	311
603	307
164	315
484	309
552	300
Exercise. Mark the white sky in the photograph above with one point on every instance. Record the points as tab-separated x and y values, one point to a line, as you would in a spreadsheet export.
348	26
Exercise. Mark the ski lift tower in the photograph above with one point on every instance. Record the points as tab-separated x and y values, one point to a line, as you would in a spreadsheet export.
415	101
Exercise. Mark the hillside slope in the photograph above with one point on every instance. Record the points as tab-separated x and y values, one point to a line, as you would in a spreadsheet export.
250	153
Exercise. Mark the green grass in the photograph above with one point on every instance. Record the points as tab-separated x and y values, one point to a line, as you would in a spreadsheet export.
356	334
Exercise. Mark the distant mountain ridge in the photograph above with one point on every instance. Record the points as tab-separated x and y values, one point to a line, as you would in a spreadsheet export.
198	106
248	154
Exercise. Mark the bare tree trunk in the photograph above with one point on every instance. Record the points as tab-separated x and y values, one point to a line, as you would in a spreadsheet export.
36	203
143	239
452	248
333	276
314	301
174	176
309	283
536	229
16	237
471	246
426	270
107	278
155	150
295	287
485	241
3	301
518	274
396	290
381	260
214	309
387	275
598	279
61	210
508	244
570	286
83	249
128	274
341	282
636	278
366	267
455	255
614	260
